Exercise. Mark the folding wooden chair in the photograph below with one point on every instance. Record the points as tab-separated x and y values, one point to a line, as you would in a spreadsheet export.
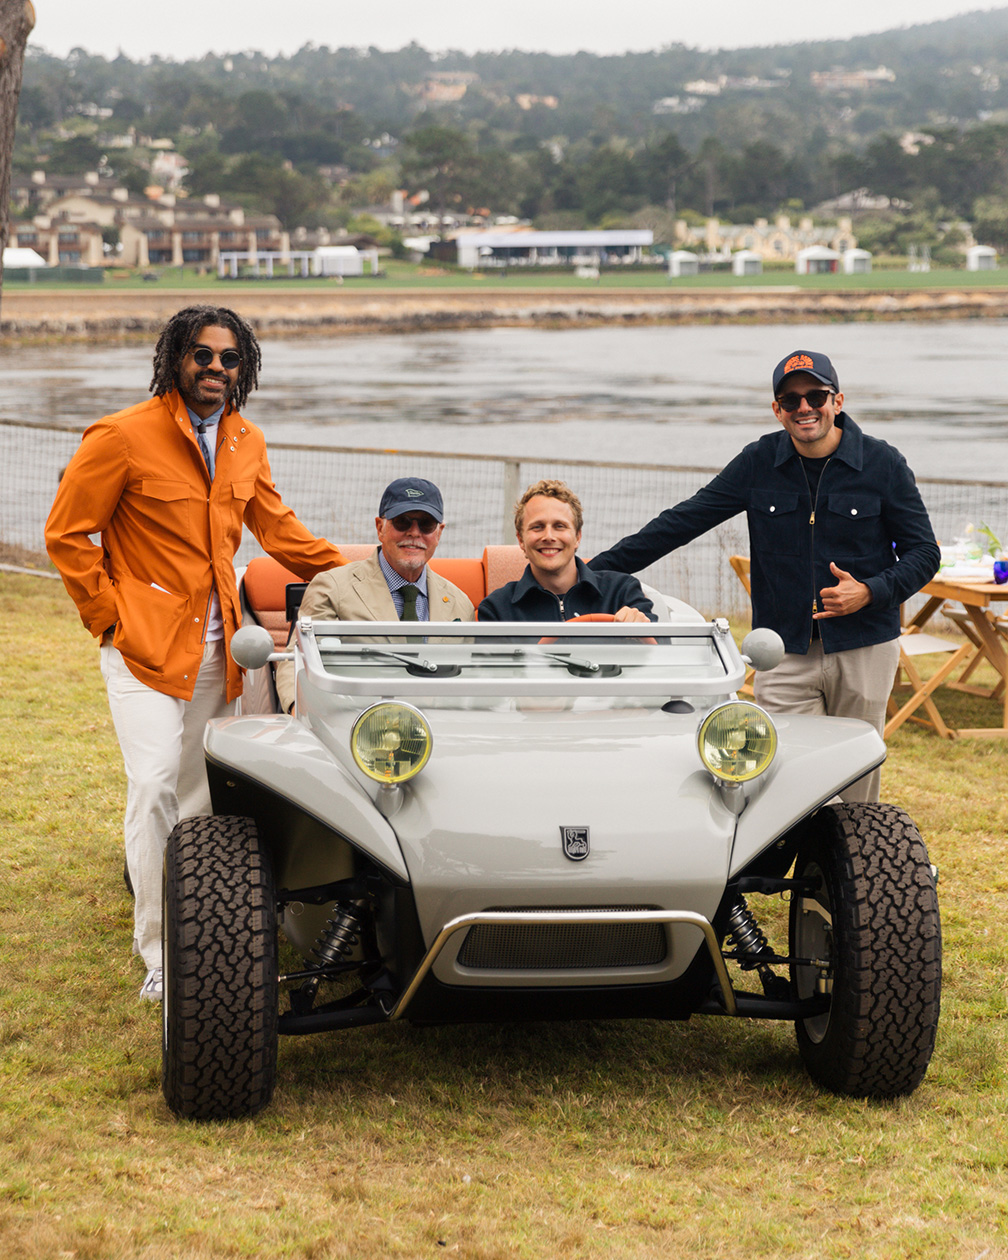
913	644
962	619
741	566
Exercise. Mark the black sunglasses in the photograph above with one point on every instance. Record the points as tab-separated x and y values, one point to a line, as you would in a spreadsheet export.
403	524
814	398
203	356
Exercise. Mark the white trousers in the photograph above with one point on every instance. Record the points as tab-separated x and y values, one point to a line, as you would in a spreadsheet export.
161	739
855	683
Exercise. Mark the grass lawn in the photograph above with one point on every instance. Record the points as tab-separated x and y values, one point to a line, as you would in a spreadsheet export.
595	1139
399	274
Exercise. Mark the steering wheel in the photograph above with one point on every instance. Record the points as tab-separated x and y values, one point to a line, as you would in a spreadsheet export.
593	617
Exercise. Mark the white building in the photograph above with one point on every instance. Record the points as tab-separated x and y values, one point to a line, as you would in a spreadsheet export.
544	249
338	260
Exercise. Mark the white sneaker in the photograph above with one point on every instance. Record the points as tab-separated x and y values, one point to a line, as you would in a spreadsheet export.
153	986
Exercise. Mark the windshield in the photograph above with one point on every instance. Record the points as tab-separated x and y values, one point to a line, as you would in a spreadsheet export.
521	659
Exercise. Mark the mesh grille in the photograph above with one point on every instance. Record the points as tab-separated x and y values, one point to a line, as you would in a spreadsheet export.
564	946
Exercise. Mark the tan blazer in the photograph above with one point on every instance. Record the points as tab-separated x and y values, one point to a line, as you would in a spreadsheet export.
359	592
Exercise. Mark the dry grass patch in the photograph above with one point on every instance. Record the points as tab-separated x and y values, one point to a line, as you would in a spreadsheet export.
598	1139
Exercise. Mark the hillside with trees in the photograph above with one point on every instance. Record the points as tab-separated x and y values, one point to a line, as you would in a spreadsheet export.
917	115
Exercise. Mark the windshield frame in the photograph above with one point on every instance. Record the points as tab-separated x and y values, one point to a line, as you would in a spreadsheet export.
508	659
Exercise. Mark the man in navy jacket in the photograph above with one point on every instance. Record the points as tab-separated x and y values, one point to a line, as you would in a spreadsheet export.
839	537
557	585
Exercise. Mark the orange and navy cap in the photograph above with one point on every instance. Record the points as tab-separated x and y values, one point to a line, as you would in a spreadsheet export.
809	361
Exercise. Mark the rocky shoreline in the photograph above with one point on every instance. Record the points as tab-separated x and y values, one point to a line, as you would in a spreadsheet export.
89	314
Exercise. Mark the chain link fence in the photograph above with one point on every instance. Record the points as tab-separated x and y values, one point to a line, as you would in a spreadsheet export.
335	492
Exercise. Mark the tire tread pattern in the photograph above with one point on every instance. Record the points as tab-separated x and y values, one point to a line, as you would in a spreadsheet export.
887	952
221	987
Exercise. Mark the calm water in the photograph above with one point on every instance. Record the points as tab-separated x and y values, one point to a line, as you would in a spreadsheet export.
678	395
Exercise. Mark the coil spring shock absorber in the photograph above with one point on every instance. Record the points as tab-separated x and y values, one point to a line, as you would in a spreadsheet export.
337	940
753	949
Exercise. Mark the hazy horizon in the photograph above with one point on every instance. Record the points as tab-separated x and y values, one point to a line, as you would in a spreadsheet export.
559	27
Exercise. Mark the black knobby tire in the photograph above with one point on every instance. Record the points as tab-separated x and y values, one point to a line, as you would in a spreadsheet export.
876	923
221	992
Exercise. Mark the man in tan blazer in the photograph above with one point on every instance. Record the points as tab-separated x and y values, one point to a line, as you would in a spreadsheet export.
395	583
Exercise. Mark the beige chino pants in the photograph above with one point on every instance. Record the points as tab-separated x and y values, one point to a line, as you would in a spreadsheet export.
855	683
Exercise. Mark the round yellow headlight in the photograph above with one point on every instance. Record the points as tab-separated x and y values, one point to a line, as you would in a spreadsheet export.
737	741
391	742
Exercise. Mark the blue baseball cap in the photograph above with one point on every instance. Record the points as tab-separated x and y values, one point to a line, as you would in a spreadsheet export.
411	494
808	361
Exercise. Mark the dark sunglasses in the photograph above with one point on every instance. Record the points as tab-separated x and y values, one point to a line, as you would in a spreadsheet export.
426	524
203	356
814	398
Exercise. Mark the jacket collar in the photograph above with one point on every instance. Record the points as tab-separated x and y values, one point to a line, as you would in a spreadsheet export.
850	450
175	403
528	583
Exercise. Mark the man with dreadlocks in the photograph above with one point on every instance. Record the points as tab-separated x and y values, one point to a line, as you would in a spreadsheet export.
168	484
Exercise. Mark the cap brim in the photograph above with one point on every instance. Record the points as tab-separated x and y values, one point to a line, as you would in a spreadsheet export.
411	505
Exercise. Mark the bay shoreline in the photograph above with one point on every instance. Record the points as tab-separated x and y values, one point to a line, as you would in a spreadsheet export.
285	310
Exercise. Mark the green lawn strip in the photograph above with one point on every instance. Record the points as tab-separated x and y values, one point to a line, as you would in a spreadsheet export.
597	1139
400	274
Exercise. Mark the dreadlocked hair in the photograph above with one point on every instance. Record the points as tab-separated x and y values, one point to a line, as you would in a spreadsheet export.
179	336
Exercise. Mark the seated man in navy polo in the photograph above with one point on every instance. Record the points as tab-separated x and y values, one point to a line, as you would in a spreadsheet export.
556	585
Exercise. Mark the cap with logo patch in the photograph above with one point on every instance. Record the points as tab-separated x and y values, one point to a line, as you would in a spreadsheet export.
808	361
411	494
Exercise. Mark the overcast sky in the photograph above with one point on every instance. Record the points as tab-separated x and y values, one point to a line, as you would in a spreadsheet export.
190	28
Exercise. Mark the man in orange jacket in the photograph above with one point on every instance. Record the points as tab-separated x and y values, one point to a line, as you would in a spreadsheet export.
169	484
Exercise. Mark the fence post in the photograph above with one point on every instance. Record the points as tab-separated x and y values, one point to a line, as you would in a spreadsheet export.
512	491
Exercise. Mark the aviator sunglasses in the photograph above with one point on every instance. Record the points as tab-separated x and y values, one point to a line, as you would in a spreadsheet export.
203	356
814	398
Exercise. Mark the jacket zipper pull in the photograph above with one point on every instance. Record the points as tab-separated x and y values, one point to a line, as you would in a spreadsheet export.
811	519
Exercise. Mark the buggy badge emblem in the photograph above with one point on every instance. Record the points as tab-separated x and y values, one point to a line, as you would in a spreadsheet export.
575	843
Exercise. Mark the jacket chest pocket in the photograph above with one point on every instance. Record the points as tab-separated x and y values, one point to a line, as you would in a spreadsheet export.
854	524
242	491
167	503
775	520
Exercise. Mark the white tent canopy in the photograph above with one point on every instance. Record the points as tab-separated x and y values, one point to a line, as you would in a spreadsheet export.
19	256
981	258
856	261
682	262
746	262
816	259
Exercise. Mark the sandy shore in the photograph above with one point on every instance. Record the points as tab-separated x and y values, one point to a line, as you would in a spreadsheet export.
104	314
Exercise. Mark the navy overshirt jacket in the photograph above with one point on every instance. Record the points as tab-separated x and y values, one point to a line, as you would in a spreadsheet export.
870	520
526	600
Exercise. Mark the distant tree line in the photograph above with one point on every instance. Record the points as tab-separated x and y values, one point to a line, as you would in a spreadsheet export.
314	136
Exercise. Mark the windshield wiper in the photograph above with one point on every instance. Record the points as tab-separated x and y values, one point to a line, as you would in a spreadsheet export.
412	662
574	662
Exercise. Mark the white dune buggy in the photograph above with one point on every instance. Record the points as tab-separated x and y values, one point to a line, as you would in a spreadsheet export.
538	827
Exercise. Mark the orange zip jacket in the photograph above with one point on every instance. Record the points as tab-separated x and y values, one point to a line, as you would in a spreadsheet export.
169	535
